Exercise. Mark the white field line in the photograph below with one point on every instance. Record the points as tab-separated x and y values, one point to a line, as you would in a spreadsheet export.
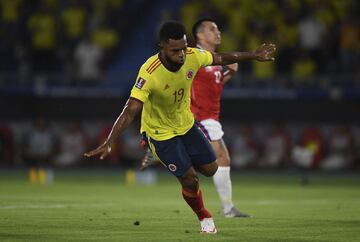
50	206
304	202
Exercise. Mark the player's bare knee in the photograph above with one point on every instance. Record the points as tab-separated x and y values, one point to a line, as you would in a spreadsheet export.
210	169
223	160
227	160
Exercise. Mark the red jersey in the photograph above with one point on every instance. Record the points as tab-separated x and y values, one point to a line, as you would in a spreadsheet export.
206	92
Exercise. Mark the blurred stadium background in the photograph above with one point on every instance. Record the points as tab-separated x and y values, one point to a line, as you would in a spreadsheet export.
66	68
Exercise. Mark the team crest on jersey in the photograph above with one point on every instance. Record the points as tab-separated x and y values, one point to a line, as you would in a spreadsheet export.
172	167
189	74
140	83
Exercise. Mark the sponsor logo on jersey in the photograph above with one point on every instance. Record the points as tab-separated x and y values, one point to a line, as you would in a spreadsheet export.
140	83
172	167
189	74
166	87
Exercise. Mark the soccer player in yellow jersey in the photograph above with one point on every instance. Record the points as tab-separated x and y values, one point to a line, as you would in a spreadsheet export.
162	93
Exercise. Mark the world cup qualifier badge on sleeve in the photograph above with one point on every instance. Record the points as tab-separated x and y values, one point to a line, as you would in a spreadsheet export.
140	83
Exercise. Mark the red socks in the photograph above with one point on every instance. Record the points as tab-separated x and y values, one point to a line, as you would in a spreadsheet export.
195	201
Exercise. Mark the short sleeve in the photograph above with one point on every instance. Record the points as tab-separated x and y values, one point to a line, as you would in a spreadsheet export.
141	88
205	57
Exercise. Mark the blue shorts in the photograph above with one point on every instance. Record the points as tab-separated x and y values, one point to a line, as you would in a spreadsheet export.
181	152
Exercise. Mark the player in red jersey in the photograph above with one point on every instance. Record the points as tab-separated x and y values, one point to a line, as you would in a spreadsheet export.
205	105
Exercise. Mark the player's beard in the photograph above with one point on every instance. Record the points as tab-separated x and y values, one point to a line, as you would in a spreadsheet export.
170	64
176	65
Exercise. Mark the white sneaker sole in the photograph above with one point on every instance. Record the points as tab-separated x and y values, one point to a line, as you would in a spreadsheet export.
208	232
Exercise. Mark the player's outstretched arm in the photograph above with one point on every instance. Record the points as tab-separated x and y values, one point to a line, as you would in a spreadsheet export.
131	108
263	53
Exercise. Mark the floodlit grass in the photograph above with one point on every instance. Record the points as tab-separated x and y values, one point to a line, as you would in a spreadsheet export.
99	206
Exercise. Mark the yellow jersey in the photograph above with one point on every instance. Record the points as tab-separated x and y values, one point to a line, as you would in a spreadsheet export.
166	95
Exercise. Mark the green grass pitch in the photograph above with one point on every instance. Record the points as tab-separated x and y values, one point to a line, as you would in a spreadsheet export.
99	206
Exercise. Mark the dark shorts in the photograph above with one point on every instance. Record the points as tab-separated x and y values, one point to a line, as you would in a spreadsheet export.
181	152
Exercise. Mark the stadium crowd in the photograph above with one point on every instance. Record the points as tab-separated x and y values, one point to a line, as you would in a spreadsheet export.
257	145
318	40
74	41
70	41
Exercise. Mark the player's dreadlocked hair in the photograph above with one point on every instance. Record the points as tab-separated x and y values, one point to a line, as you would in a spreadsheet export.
197	26
171	30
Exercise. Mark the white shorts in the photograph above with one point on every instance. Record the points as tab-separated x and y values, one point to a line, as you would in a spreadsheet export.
212	129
